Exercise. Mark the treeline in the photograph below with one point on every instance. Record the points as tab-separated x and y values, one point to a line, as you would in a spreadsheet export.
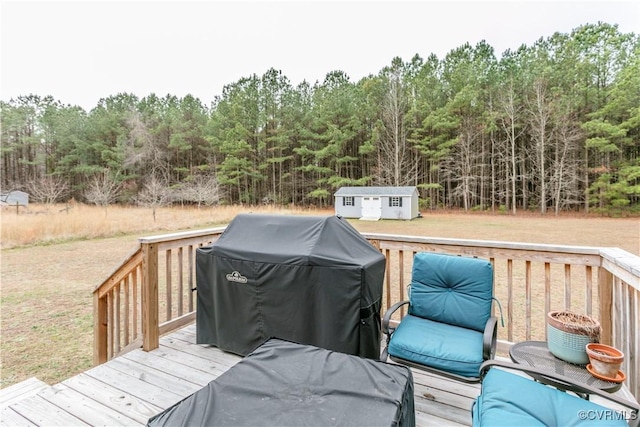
552	126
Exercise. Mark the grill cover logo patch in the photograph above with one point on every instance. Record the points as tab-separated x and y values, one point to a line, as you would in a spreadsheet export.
236	277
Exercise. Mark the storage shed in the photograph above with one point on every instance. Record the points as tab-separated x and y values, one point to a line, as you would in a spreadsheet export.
14	198
377	202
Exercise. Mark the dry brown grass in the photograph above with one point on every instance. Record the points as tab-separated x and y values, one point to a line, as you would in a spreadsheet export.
53	259
41	224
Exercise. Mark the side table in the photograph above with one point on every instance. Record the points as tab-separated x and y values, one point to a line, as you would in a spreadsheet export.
537	354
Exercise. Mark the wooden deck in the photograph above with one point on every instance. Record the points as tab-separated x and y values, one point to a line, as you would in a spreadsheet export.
128	390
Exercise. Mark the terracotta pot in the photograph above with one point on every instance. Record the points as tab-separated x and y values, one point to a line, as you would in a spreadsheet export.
605	360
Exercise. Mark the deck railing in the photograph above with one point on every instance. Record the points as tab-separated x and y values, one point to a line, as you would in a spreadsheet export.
151	293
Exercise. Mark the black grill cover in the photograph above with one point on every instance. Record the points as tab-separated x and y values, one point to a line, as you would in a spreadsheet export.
309	279
288	384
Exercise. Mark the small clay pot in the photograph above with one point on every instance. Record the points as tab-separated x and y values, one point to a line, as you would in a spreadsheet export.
605	360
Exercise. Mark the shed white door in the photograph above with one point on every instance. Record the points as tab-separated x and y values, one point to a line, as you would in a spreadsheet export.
371	207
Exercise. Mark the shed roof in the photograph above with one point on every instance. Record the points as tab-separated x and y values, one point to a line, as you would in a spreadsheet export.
376	191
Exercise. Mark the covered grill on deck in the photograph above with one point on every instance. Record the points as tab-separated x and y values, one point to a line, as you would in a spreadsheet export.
309	279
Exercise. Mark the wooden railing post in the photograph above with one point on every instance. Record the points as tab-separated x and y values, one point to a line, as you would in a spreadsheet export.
99	329
150	319
605	295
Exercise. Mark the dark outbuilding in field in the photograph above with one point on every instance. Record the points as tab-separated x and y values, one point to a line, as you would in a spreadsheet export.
374	203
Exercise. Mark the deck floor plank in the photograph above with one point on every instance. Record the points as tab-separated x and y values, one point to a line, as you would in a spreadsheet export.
220	359
187	371
207	366
85	408
41	412
15	392
223	360
424	419
434	409
447	399
133	407
10	418
137	387
155	376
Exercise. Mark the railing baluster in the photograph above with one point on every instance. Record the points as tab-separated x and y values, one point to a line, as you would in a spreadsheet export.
168	281
632	363
527	293
117	323
136	307
110	323
493	305
588	291
180	281
401	279
192	268
510	300
387	254
547	292
567	286
127	309
605	298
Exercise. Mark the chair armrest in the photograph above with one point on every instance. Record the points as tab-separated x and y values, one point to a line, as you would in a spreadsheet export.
490	338
389	313
553	378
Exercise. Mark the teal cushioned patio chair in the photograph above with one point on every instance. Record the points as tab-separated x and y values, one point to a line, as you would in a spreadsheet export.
509	399
448	328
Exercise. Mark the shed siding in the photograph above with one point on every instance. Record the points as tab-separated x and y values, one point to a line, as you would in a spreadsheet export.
349	211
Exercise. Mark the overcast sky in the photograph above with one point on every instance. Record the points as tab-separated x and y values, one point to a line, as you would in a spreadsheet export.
81	51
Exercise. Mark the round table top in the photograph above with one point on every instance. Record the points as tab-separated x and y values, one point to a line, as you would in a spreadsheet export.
537	354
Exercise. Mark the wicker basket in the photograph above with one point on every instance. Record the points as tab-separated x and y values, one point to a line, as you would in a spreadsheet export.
568	334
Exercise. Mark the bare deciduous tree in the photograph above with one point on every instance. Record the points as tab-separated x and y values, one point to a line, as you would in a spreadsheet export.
508	122
143	149
202	189
155	193
565	180
397	165
540	114
48	189
463	162
103	189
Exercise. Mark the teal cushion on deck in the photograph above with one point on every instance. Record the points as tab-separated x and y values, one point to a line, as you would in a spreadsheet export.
439	345
452	289
512	400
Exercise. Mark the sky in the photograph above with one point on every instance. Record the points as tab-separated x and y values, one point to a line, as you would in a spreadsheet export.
82	51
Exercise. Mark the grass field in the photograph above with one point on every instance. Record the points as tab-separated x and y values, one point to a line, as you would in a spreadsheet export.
52	258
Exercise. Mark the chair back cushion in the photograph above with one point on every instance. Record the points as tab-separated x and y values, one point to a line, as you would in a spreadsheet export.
452	289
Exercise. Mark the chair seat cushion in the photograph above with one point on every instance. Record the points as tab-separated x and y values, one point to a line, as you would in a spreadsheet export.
438	345
508	399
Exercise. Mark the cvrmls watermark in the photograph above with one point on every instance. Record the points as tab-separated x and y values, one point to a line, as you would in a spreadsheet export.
605	415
